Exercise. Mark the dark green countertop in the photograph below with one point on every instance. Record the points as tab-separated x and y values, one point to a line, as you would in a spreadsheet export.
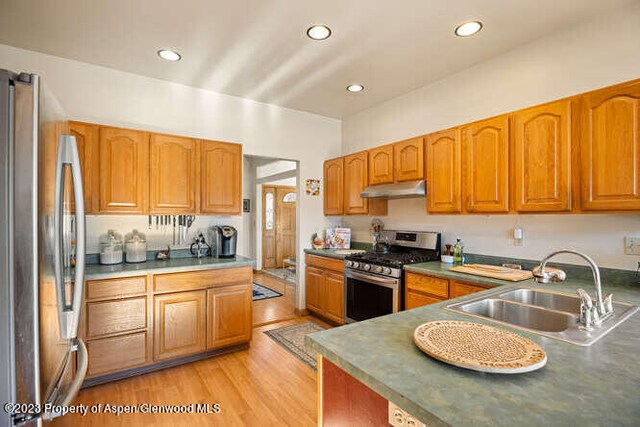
440	269
596	385
173	265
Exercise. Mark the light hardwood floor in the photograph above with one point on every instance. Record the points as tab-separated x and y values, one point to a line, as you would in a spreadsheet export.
264	385
274	309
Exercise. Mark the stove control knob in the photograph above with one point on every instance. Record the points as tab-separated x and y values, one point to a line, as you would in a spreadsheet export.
349	263
386	270
367	267
378	269
356	264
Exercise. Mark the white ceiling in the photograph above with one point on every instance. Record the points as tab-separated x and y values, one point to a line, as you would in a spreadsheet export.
258	49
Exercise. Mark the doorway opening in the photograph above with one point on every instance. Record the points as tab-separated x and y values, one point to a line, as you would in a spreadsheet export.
274	224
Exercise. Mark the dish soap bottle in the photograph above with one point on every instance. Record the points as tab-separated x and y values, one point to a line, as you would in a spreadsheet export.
458	251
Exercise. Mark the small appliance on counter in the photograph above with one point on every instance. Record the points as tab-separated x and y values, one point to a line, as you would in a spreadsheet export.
223	240
111	248
199	248
135	247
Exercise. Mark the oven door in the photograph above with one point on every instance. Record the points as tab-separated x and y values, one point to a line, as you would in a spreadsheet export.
369	295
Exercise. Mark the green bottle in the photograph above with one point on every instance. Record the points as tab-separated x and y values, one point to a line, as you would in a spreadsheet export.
458	251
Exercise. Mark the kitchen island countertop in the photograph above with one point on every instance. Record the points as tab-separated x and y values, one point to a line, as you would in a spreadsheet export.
596	385
173	265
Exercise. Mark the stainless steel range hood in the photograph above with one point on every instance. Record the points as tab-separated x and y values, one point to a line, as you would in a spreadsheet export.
400	190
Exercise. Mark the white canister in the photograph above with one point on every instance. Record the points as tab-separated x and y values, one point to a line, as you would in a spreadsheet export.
136	248
111	249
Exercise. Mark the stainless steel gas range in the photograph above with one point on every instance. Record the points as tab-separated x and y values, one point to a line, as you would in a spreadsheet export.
375	280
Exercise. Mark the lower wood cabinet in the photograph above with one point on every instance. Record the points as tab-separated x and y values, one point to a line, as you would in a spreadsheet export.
325	287
422	289
117	353
180	324
229	315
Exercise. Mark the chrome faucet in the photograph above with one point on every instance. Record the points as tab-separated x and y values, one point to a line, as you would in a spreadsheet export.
592	311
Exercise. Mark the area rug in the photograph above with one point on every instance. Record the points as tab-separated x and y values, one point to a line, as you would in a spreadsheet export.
292	338
262	292
282	273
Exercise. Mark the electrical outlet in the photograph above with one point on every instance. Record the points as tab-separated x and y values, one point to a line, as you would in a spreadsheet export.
632	245
399	418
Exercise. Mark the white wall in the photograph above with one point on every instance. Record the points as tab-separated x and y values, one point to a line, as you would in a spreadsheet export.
585	57
102	95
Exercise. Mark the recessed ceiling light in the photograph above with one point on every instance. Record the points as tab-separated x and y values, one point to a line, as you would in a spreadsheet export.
169	55
355	88
319	32
468	28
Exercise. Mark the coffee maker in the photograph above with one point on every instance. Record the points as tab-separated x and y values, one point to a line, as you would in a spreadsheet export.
223	240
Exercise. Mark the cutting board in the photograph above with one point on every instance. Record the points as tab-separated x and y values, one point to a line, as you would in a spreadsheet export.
493	271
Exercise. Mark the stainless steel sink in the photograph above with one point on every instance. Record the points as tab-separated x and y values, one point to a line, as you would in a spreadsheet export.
547	313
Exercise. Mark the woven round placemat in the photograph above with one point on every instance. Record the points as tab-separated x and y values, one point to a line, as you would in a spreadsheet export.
479	347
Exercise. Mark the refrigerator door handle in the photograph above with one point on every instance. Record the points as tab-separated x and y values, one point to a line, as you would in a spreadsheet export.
69	314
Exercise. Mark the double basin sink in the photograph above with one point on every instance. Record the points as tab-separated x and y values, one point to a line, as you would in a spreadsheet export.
547	313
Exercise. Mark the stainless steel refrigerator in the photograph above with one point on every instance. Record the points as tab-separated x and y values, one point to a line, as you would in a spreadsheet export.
42	246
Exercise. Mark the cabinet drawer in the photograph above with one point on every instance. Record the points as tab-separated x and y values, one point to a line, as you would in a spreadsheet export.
324	263
117	353
116	288
110	317
459	289
192	280
431	285
416	299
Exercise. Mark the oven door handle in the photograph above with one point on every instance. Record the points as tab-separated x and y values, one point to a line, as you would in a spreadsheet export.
389	283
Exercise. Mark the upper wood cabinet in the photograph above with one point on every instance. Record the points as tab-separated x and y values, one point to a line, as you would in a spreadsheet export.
172	177
333	187
541	167
444	177
409	160
381	165
355	180
87	139
123	171
220	178
610	148
179	324
486	166
229	315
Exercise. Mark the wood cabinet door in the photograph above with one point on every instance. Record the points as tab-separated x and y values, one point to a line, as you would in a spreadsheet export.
87	139
486	165
333	187
124	171
172	177
541	168
409	159
459	289
314	280
334	297
179	324
444	176
229	315
381	165
220	178
355	180
417	299
610	148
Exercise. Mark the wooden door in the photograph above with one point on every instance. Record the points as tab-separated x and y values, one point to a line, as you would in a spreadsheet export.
124	171
285	224
180	324
334	297
333	187
409	160
229	315
381	165
220	178
355	180
444	175
314	279
610	148
269	259
541	167
87	139
486	166
172	178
